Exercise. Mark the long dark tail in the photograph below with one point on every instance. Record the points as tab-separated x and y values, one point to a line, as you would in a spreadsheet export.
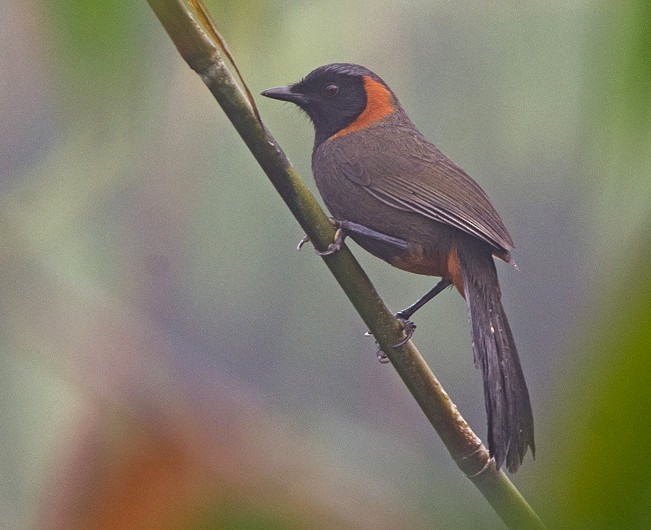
510	419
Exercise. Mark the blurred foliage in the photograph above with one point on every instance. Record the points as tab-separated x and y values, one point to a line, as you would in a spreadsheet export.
601	474
167	357
602	477
618	144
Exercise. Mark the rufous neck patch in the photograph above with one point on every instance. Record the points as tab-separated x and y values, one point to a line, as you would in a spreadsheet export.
379	104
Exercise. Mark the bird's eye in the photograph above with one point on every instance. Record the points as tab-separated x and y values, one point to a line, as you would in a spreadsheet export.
331	90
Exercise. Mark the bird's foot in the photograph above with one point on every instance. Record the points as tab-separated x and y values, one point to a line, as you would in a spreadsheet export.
381	356
334	247
304	239
408	327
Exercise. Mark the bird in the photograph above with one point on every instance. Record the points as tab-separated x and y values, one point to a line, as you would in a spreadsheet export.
401	199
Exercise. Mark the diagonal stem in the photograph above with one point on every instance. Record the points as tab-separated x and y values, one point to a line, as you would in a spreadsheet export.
197	46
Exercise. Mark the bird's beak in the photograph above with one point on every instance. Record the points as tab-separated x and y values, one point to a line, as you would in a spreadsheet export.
284	93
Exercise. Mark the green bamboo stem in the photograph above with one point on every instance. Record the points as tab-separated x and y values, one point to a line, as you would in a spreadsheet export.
198	46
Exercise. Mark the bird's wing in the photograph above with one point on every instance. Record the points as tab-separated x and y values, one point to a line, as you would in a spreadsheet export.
425	181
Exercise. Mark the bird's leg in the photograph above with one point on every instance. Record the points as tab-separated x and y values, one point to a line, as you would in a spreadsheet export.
404	315
361	230
348	227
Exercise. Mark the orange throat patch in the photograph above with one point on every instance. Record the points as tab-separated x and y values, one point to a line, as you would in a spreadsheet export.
379	105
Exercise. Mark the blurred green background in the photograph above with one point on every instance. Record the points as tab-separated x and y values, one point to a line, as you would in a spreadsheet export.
168	359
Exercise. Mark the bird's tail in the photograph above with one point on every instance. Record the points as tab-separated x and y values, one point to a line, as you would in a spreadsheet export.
510	419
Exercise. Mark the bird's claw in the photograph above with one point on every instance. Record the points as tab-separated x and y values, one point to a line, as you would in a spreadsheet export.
304	239
408	328
334	247
381	356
